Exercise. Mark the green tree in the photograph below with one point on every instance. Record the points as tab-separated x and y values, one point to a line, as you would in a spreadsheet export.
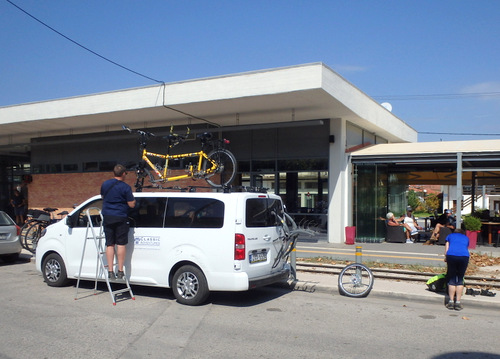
413	199
432	203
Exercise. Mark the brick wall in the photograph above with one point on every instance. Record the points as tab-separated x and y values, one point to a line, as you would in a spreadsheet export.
63	190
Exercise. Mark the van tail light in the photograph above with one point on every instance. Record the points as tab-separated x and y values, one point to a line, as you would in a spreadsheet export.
18	230
239	247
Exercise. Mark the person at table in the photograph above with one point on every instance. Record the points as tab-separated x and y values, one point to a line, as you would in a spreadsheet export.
393	222
410	220
445	220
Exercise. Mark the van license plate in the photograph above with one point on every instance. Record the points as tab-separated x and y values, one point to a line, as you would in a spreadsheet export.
258	257
3	236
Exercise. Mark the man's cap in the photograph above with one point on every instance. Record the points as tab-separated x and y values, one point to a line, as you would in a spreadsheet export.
409	209
448	211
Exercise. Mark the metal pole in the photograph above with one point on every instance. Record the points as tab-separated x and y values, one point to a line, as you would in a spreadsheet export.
459	191
293	263
359	254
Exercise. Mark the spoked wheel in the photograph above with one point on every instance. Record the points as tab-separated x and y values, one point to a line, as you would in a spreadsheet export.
355	280
24	232
226	170
33	234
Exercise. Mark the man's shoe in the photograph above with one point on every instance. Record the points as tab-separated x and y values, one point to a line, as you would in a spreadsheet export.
120	274
450	305
427	242
458	306
111	275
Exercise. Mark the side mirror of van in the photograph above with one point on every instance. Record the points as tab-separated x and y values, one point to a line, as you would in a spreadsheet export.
72	220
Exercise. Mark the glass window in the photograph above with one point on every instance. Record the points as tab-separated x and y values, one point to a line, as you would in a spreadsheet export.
148	212
80	219
90	166
72	167
260	212
194	213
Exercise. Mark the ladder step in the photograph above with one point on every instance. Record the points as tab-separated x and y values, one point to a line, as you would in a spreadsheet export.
121	291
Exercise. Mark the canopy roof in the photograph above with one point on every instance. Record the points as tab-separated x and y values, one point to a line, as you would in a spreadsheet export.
436	162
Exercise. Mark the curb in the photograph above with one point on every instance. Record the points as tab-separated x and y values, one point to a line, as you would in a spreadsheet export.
312	287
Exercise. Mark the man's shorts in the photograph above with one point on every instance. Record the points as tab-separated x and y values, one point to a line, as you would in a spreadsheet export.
116	230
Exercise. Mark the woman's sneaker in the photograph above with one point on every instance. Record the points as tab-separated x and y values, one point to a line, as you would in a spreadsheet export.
111	275
450	305
120	274
458	306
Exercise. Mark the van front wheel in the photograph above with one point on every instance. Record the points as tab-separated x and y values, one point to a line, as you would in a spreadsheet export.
190	285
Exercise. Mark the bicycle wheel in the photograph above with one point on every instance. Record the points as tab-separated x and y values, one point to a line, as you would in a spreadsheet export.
24	231
33	235
226	168
355	280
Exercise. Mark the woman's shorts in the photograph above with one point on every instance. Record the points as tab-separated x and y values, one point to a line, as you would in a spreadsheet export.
457	265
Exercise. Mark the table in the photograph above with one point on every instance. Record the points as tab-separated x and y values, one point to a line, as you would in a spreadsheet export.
490	226
426	219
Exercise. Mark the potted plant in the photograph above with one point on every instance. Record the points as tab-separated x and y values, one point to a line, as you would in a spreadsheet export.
472	228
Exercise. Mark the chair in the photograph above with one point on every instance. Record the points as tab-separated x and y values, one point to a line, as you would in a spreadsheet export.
443	233
394	234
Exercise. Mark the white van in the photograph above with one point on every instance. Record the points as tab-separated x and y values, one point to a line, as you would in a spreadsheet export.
206	241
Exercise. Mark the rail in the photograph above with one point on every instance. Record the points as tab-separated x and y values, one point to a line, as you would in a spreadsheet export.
395	274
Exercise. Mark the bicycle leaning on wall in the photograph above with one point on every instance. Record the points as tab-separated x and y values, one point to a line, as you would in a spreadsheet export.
217	167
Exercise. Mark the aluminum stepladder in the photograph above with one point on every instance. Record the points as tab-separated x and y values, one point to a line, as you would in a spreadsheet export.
101	268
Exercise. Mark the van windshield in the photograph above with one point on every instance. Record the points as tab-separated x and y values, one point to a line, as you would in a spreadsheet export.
260	212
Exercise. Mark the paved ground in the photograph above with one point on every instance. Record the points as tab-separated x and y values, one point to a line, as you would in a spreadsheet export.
405	290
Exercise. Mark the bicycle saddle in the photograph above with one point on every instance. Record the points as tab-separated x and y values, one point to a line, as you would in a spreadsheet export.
48	209
173	137
205	136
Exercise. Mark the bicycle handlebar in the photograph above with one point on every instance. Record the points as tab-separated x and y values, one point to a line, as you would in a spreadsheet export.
140	132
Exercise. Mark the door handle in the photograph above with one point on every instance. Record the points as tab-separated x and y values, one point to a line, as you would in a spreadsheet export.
267	237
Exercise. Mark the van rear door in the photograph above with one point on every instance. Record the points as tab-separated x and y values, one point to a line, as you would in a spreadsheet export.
264	236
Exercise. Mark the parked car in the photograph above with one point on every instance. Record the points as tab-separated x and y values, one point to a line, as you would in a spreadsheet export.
204	241
10	246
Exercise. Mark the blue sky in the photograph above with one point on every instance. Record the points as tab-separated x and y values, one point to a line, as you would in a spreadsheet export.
436	62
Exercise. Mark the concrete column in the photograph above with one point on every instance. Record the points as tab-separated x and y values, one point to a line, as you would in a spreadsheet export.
339	184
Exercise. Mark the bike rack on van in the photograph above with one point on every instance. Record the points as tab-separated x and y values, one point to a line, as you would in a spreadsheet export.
101	268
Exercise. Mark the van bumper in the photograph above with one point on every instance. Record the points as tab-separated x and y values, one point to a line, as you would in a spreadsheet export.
281	276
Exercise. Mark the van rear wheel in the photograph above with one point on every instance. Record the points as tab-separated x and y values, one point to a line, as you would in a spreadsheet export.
190	285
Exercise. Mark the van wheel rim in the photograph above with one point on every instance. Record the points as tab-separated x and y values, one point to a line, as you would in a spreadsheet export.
187	285
52	270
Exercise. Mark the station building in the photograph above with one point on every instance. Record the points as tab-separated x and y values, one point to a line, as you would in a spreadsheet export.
293	130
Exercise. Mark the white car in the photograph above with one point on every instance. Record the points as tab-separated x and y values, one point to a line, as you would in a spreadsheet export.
10	245
201	241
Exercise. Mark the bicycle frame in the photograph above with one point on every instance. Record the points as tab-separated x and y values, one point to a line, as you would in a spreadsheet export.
193	170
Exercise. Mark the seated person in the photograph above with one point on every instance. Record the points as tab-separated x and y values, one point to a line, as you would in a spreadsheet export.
445	220
409	219
393	222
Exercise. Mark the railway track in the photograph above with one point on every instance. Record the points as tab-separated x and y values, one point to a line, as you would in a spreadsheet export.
397	274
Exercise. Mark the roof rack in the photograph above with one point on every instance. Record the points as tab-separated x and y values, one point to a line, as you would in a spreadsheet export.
226	189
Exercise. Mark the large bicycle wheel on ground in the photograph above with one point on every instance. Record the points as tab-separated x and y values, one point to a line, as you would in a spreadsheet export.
226	170
355	280
33	234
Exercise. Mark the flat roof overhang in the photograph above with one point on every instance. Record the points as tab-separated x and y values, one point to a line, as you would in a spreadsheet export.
298	93
437	162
